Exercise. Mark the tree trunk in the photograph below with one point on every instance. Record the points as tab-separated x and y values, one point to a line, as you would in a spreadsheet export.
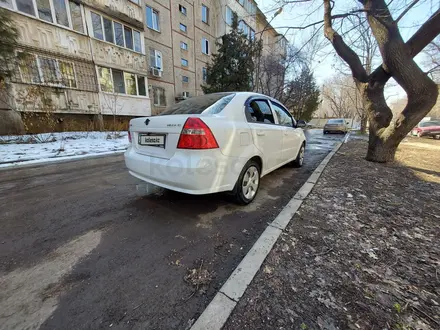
364	123
381	150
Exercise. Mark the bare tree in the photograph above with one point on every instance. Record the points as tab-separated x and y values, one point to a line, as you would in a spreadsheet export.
397	63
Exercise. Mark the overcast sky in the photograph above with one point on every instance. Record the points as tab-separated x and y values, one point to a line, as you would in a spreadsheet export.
323	64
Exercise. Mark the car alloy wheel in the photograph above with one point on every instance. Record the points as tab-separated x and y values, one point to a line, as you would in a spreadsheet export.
248	183
299	161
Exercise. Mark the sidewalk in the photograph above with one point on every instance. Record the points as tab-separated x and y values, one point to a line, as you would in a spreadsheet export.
362	253
53	147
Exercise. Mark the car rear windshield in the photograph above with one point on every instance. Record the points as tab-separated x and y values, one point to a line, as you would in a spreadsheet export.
335	121
212	103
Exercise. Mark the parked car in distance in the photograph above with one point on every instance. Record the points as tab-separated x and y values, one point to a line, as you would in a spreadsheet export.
335	126
427	128
215	142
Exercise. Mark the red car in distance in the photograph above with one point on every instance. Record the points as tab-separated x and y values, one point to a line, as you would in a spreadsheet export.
427	128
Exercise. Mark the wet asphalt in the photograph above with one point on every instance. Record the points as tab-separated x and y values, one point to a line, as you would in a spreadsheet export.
98	253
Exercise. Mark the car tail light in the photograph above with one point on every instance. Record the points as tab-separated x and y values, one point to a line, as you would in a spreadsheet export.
129	136
196	135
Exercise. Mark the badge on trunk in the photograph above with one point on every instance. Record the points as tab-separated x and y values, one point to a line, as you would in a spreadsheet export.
147	121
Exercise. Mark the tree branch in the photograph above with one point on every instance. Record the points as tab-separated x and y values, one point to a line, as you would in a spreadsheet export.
344	51
406	10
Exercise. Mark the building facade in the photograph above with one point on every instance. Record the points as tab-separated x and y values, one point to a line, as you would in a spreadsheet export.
91	59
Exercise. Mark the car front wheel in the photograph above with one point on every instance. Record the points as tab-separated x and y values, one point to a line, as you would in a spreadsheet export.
248	183
299	161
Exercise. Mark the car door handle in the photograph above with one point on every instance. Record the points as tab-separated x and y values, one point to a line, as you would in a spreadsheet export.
261	133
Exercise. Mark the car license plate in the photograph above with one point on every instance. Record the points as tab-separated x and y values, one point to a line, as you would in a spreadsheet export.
154	140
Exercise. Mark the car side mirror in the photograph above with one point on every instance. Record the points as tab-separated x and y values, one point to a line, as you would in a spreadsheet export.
301	123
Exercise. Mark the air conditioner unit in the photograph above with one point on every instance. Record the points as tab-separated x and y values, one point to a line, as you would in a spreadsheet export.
156	72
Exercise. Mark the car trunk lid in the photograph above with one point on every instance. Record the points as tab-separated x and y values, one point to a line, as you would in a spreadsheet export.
157	136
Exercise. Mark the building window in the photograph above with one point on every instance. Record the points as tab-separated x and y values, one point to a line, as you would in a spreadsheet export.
105	79
241	2
182	9
29	70
97	26
6	4
142	91
205	46
44	11
128	34
159	99
184	62
252	34
183	45
61	12
119	34
156	59
137	41
135	1
204	74
45	70
108	30
185	79
229	15
205	14
116	81
116	33
153	19
25	6
130	83
76	15
183	27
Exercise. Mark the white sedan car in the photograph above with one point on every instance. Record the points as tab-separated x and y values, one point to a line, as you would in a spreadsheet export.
215	142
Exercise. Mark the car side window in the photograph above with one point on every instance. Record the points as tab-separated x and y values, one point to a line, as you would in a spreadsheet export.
284	118
258	111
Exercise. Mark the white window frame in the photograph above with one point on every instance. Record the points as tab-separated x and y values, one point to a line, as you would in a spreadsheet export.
207	14
183	79
180	28
123	80
156	23
205	42
181	62
52	11
185	47
114	33
158	54
158	104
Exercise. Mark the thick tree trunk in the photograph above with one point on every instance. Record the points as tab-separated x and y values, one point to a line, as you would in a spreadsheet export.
381	150
364	121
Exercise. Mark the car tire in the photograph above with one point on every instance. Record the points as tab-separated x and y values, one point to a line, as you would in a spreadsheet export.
419	134
246	187
325	132
299	160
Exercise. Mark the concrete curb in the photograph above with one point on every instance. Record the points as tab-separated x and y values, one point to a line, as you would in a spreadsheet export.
58	160
220	308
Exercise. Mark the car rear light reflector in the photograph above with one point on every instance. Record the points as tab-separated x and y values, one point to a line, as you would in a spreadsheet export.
196	135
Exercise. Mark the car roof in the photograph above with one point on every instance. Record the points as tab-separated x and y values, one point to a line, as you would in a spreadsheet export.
249	94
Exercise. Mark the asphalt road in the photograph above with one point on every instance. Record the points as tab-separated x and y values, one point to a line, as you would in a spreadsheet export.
82	248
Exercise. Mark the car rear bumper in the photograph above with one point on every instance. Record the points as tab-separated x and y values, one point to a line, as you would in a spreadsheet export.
335	129
194	172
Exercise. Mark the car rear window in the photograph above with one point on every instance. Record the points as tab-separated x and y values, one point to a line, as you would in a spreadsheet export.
212	103
335	121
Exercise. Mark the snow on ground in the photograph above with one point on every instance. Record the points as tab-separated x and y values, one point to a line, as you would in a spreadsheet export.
29	149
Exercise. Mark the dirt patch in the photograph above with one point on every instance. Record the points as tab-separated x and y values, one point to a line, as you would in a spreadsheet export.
363	251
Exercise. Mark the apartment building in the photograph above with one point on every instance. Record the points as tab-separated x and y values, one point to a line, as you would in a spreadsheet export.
85	58
181	36
98	58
